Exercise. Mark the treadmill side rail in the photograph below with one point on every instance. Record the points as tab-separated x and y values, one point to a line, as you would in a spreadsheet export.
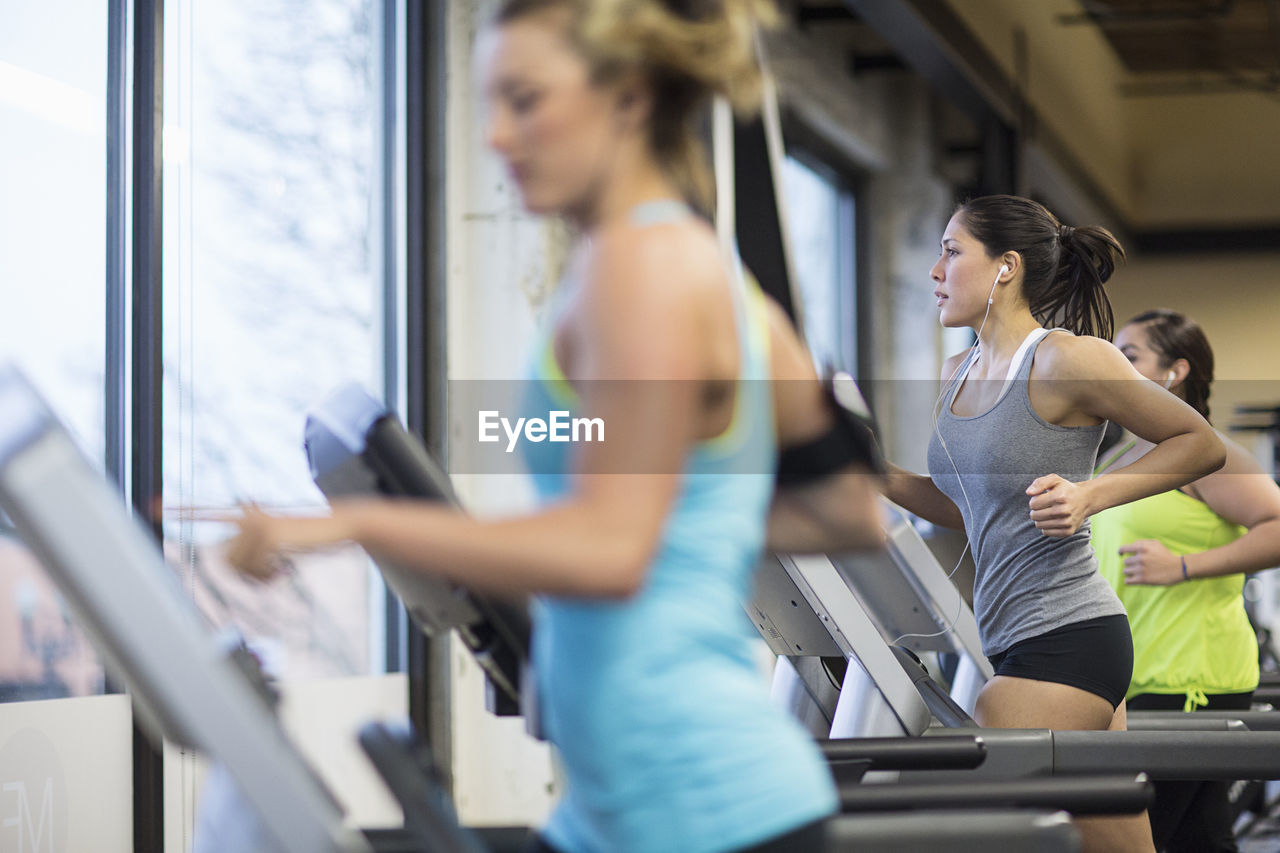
973	831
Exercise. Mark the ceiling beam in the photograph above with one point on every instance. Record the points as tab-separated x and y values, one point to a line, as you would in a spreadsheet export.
939	46
806	15
957	66
1264	238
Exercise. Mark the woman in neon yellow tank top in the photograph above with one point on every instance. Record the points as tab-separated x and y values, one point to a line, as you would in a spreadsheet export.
1177	561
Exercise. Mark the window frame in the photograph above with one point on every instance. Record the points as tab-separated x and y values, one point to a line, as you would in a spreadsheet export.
814	151
412	264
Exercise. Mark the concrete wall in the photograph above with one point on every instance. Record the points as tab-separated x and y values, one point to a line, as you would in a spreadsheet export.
886	126
906	208
502	265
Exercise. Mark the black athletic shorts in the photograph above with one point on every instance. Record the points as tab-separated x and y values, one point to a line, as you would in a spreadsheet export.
1095	655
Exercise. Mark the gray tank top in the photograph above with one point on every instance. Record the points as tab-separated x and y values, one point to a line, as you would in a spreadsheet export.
1027	583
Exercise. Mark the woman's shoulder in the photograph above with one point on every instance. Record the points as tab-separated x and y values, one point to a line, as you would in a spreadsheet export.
1064	355
1239	459
666	261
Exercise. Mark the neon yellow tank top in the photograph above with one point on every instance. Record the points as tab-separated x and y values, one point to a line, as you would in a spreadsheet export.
1193	637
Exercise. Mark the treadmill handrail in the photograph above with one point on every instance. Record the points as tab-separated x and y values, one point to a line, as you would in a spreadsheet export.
1090	795
945	752
1187	755
1167	721
1254	721
945	709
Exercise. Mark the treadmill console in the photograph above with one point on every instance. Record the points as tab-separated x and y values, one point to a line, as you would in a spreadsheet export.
355	446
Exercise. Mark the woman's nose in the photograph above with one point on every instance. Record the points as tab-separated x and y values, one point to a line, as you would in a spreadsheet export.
497	131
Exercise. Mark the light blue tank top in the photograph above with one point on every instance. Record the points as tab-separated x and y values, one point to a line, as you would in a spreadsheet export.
655	703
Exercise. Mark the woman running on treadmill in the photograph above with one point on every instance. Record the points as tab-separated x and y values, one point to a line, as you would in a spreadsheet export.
1018	426
644	545
1177	561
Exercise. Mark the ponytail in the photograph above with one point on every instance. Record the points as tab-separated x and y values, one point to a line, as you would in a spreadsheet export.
1077	301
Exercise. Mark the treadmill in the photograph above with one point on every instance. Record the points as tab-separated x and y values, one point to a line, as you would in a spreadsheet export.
952	626
357	447
908	598
185	688
887	693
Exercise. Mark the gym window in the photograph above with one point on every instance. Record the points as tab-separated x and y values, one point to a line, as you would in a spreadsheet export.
820	213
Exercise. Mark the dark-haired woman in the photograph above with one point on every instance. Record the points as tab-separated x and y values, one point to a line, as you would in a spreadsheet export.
1018	426
1177	561
644	544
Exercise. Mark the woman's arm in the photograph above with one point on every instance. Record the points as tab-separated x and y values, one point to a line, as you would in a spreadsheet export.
839	512
917	493
639	358
1242	494
1090	376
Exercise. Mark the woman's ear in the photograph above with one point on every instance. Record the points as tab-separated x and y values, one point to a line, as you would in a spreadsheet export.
1181	368
1013	261
634	100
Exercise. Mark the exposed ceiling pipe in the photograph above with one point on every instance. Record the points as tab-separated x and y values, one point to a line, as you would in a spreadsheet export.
1227	82
1105	15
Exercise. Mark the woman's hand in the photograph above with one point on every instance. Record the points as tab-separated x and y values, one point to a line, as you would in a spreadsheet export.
1058	506
1150	563
260	548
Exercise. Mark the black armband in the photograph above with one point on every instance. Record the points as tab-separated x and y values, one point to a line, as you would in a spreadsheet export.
851	440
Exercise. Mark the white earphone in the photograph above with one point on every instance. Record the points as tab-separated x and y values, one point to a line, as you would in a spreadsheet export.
1169	377
991	297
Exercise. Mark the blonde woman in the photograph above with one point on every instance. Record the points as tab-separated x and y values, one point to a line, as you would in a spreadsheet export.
644	546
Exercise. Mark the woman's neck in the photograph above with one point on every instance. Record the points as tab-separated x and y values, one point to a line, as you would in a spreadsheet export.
1003	333
634	181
